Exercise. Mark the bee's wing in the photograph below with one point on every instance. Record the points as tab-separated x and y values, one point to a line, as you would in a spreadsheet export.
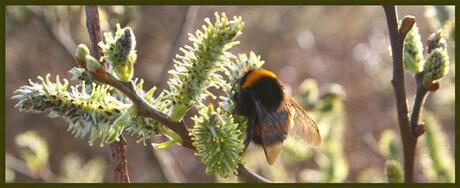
273	127
273	152
302	127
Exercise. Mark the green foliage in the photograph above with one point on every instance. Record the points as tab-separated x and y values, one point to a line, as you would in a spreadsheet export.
330	118
394	172
122	14
332	162
309	92
75	170
18	14
441	17
413	51
33	149
308	97
10	176
390	146
437	162
217	140
195	70
371	174
292	153
119	124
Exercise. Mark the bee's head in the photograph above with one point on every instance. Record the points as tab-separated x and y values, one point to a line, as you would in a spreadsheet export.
262	85
238	99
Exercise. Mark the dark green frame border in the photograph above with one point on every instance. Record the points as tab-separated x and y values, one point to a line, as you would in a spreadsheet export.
234	2
210	2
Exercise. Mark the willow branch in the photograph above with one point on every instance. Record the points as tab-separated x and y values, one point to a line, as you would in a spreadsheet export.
249	176
409	133
118	150
420	96
144	109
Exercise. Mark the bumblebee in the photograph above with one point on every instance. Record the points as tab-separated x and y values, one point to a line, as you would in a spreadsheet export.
272	114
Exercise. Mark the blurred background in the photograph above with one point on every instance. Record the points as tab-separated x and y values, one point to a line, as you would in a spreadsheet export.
334	59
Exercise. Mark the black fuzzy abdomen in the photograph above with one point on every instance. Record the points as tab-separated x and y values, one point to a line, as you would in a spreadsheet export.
264	130
269	91
270	132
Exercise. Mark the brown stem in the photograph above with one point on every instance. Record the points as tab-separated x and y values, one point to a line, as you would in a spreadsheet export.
118	150
409	139
119	160
420	97
94	30
144	109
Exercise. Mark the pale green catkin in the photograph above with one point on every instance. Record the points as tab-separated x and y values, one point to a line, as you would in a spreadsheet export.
196	70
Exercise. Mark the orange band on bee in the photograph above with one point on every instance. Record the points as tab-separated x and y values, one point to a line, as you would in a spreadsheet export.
256	75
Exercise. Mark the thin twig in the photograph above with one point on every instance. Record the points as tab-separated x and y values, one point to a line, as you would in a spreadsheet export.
249	176
20	166
169	167
118	150
59	34
185	27
409	133
144	109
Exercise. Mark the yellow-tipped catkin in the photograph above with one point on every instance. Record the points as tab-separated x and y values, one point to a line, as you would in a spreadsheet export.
218	141
196	70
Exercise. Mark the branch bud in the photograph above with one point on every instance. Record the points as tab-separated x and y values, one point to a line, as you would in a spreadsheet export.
436	40
430	86
406	24
92	64
80	55
436	66
419	130
413	51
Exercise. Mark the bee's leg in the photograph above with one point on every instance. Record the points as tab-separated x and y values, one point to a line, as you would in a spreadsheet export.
247	141
249	133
